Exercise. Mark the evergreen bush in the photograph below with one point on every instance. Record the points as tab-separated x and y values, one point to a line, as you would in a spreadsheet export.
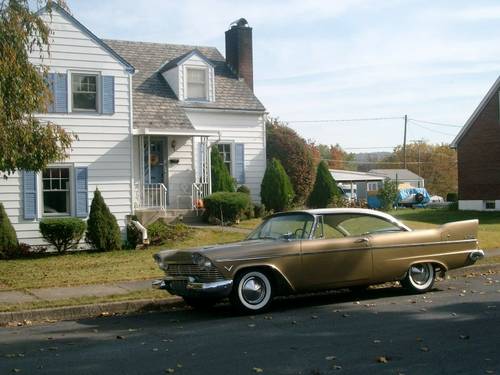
221	179
159	232
452	197
276	190
388	195
226	207
8	240
103	232
243	189
62	233
325	190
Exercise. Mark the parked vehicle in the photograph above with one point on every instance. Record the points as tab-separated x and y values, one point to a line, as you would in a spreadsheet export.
314	250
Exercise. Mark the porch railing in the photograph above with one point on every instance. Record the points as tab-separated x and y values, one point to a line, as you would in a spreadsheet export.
154	196
199	191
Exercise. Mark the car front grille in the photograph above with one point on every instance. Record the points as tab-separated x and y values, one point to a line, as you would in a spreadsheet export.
193	270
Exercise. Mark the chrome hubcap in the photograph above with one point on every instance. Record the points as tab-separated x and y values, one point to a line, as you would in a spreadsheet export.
253	290
420	274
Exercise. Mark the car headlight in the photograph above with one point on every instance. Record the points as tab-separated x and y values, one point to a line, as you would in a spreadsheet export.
158	259
202	261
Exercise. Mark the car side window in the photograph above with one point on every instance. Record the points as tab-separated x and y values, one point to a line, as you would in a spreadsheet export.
359	225
326	229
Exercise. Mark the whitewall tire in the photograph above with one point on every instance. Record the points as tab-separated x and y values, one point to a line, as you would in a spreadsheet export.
419	278
252	291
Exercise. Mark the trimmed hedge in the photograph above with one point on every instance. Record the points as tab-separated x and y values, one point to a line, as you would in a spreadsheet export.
226	207
243	189
62	233
103	232
160	232
221	179
276	189
8	240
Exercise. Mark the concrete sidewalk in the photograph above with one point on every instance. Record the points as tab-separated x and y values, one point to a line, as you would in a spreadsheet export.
62	293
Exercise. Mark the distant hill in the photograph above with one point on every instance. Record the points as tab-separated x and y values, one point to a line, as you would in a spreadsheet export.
368	160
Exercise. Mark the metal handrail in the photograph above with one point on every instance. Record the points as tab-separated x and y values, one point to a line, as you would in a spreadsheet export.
199	190
154	196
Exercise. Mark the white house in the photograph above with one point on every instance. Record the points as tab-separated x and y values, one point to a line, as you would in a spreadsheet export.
145	115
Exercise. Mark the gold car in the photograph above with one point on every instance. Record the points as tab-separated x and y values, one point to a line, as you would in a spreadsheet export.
314	250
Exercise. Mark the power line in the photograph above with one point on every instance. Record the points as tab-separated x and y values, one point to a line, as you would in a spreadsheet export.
345	120
383	162
435	123
368	148
432	130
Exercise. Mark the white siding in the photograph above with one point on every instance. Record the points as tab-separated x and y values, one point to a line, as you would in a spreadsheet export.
476	205
238	127
181	175
104	140
197	62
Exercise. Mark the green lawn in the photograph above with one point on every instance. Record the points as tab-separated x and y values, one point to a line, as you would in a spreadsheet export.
79	268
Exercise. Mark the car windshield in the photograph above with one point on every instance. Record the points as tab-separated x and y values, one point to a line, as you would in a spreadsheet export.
288	226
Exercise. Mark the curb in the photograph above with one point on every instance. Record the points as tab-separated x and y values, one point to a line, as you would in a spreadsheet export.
89	311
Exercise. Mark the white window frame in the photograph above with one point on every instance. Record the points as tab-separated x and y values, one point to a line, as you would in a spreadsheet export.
98	109
71	208
186	83
231	150
369	186
490	201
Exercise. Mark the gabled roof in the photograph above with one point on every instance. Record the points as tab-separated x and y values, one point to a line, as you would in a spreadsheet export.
179	60
341	175
64	13
401	174
493	90
155	103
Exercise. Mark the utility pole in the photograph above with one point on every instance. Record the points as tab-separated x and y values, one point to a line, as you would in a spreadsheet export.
404	142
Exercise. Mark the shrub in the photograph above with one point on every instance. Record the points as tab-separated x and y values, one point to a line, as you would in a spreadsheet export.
8	240
134	236
276	189
325	189
62	233
160	232
259	210
452	197
221	179
243	189
103	232
387	195
284	144
226	207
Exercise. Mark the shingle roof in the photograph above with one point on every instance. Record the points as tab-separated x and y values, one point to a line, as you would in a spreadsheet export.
155	103
401	174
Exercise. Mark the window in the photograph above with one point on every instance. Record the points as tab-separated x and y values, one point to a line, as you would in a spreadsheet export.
84	92
56	191
225	153
372	186
196	84
290	226
489	205
358	225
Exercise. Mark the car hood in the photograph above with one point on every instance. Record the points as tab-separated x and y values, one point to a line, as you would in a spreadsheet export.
217	252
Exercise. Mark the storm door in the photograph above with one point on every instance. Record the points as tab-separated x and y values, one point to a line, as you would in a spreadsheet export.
154	160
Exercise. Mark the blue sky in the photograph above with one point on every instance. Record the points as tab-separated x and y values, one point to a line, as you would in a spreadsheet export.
316	60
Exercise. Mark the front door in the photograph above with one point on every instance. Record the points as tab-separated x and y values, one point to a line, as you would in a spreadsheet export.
154	161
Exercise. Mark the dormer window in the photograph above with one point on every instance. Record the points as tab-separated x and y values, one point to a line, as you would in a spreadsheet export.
196	86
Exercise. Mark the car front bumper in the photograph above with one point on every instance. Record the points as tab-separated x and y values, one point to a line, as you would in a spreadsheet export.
188	287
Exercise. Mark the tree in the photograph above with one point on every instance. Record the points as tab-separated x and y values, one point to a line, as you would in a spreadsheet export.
276	189
103	232
26	143
387	195
325	188
221	179
436	163
284	144
8	238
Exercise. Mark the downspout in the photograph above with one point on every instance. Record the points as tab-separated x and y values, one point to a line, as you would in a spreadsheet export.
143	230
131	143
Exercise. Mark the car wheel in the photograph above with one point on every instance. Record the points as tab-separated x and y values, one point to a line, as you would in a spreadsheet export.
252	292
200	303
419	278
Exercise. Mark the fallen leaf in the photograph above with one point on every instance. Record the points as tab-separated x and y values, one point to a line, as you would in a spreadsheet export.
464	337
377	341
294	322
16	370
383	359
424	349
119	337
331	358
337	367
345	315
105	313
251	325
170	371
314	317
257	370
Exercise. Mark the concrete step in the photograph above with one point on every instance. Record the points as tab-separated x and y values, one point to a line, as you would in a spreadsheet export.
148	216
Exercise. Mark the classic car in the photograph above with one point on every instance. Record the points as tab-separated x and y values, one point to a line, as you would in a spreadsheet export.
316	250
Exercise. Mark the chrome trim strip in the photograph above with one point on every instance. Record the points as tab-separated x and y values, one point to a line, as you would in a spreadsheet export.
424	244
256	258
433	255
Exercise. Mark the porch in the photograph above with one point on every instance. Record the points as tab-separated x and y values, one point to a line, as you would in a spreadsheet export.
171	171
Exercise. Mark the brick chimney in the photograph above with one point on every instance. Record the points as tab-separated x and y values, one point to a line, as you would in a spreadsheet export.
239	50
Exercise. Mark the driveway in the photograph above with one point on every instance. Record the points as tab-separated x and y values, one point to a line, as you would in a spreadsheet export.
453	330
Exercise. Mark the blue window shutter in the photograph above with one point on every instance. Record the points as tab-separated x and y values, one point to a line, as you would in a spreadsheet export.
51	80
81	191
61	93
29	195
239	163
108	94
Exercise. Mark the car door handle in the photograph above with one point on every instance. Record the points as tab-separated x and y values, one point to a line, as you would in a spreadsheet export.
362	240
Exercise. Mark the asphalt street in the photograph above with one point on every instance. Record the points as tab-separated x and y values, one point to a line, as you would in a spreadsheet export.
454	329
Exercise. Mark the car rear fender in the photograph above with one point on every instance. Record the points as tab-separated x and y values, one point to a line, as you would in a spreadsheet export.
436	263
